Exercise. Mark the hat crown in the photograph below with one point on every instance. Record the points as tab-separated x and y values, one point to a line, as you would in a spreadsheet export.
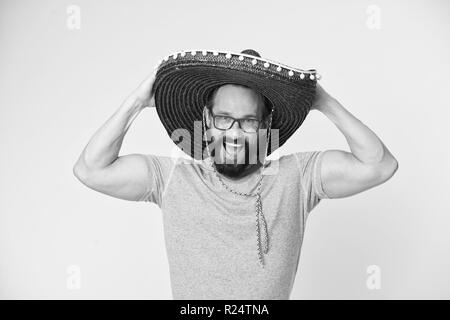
251	52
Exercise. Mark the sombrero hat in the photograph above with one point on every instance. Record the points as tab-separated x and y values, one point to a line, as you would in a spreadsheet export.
185	79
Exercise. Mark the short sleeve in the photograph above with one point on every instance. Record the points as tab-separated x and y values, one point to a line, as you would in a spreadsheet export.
160	169
310	163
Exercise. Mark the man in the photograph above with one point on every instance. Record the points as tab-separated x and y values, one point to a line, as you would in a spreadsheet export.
208	208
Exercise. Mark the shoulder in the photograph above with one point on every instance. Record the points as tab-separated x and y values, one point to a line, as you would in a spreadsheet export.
165	161
170	163
297	160
303	158
280	165
161	165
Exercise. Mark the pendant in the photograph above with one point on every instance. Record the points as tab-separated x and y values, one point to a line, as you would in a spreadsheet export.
261	218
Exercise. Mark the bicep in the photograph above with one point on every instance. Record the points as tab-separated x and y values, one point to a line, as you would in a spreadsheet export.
344	175
128	178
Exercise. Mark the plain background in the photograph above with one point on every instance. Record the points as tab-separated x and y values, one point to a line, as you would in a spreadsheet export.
59	85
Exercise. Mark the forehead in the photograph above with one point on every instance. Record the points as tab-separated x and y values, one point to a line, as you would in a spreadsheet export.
238	101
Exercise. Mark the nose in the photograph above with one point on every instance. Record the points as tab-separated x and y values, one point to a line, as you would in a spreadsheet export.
235	126
235	133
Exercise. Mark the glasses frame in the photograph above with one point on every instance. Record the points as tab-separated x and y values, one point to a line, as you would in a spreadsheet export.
234	120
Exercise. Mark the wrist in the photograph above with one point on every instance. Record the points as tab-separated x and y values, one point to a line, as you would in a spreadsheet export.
133	104
327	104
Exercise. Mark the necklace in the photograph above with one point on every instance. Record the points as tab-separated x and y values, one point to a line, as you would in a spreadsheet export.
258	204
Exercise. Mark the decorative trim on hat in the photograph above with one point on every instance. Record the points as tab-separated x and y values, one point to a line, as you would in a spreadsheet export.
254	60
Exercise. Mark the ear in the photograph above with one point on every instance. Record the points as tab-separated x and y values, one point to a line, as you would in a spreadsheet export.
266	122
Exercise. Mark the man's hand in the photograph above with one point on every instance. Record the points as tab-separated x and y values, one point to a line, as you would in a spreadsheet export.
322	98
143	93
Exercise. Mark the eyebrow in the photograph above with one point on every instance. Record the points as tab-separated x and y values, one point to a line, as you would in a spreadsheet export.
226	113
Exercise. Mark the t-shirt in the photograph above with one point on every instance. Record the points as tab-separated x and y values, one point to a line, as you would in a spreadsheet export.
210	233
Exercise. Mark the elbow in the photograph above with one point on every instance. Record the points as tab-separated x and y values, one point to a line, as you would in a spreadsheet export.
80	172
387	169
395	167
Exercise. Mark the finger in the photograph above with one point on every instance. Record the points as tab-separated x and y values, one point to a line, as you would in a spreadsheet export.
152	102
148	81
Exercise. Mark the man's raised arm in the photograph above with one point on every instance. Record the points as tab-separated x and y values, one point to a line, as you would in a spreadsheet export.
100	168
369	163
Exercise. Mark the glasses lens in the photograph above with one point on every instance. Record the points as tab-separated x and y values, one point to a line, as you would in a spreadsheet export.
221	122
250	125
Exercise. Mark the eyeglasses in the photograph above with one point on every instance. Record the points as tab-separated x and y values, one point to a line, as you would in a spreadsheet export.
225	123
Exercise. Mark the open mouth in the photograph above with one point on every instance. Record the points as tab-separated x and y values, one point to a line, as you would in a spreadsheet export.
232	147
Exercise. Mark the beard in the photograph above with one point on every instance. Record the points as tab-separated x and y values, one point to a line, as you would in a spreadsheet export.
232	170
235	169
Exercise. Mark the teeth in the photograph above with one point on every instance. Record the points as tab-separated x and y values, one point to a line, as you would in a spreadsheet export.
233	145
232	149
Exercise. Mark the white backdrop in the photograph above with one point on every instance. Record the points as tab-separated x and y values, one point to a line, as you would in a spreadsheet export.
387	62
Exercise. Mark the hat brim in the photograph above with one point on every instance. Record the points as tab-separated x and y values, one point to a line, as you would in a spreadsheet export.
183	84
